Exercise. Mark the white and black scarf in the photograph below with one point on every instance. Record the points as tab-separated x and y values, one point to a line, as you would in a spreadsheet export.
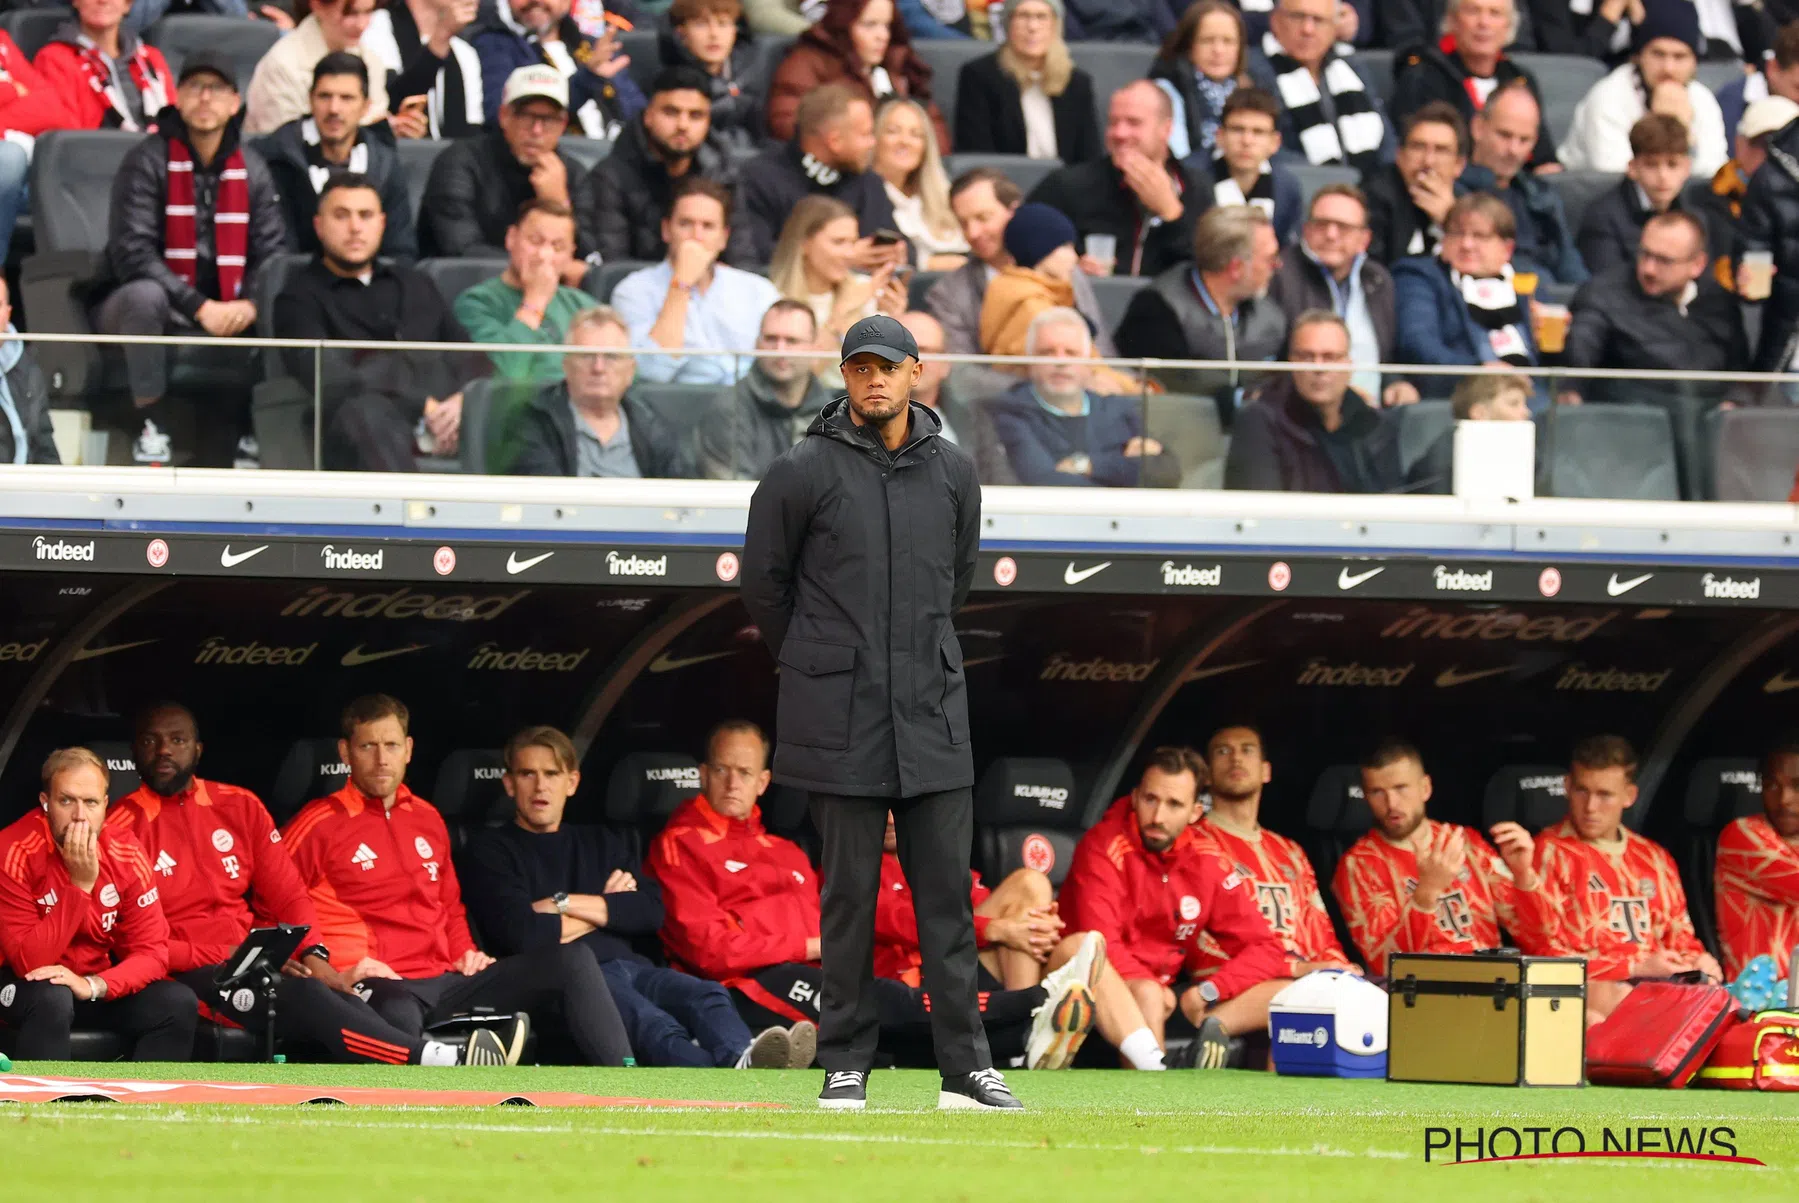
1355	137
1227	192
318	171
1494	305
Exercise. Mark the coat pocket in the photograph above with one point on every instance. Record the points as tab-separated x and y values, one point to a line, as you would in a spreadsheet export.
817	687
955	691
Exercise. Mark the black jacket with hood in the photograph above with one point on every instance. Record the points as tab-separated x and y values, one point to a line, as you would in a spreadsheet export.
739	97
287	152
854	565
630	193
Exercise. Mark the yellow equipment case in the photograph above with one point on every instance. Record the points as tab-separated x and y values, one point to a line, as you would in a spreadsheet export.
1491	1018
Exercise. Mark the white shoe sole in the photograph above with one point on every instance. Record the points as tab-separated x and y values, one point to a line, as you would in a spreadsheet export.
949	1100
1062	1025
802	1045
845	1104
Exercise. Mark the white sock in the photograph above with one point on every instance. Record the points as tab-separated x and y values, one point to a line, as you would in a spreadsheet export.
1141	1050
436	1053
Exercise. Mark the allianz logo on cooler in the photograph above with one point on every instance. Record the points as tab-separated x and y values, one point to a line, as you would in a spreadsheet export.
1053	797
1316	1038
62	549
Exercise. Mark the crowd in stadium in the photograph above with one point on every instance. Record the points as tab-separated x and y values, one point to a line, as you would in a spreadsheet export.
1177	909
1329	182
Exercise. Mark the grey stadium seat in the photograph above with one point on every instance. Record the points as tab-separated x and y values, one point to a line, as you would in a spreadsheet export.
71	186
1026	172
243	42
603	279
1376	68
1562	79
468	791
919	285
645	51
1189	429
1420	425
31	28
645	788
1619	452
1719	791
1531	795
269	283
946	57
416	157
1579	189
1027	815
1715	73
1312	177
684	405
1114	295
311	769
453	276
586	152
1753	453
1112	65
121	769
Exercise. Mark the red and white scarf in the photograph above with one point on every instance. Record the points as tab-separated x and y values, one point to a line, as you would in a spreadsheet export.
152	85
230	221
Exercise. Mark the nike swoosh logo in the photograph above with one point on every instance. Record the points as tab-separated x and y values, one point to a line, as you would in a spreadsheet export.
514	565
1346	581
1200	674
227	560
1617	588
1780	683
1452	676
1070	576
668	664
356	655
88	653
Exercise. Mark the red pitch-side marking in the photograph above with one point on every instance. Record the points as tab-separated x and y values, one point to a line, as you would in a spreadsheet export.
1600	1153
19	1088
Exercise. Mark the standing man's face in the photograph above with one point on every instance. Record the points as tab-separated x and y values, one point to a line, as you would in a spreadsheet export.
878	388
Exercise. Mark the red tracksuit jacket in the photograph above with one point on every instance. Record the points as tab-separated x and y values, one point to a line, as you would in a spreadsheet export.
1152	906
219	867
115	932
382	881
737	899
896	923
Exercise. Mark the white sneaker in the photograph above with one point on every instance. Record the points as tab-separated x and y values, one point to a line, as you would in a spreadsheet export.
153	446
771	1049
1059	1027
249	453
1087	963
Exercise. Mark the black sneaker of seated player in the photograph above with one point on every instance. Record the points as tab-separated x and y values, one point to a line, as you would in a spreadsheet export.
982	1090
845	1090
1211	1049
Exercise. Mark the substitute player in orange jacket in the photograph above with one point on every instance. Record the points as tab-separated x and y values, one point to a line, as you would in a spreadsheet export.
1609	894
1756	884
376	859
1286	889
82	935
1417	885
220	867
1144	879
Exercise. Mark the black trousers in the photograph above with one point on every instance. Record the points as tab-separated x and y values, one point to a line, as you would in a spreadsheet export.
311	1013
936	839
564	981
158	1020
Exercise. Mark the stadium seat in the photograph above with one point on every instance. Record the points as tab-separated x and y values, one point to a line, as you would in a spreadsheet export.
1715	73
416	157
477	425
1336	817
84	1044
1112	65
1189	429
1027	815
1719	791
468	792
586	152
1114	294
1376	67
1022	170
645	788
1579	189
269	283
645	51
603	279
1752	453
1311	178
773	48
945	57
1420	425
920	284
243	42
121	768
454	276
684	405
311	769
1612	451
32	28
1562	79
1531	795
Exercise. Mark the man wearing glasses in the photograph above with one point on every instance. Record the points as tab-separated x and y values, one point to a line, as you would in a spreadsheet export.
1331	269
1409	200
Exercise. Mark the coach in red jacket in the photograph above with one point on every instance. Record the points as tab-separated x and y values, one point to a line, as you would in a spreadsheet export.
1145	881
220	867
82	936
376	859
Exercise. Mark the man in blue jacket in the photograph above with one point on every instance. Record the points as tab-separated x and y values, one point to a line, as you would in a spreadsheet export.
1504	135
537	882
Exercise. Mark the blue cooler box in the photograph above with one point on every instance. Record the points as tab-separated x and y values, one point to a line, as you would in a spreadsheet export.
1330	1024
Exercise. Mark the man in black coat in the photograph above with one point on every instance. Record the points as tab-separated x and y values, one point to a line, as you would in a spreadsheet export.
1467	61
1655	182
631	189
832	149
303	154
1409	199
26	434
1138	194
873	710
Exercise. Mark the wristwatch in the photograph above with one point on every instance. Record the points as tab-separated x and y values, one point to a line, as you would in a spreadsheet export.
1208	992
560	898
314	950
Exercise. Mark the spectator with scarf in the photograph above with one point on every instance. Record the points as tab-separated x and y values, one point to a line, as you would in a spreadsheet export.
1502	134
1463	306
1720	202
417	46
1466	67
1200	64
105	77
194	216
1245	170
1331	115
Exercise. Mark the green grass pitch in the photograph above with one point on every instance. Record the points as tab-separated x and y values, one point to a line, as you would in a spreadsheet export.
1088	1135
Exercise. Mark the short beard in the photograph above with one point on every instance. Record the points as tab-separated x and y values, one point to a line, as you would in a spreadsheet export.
1407	834
176	784
663	151
899	406
345	266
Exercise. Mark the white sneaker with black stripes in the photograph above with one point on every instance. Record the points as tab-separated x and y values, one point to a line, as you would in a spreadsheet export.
845	1090
982	1090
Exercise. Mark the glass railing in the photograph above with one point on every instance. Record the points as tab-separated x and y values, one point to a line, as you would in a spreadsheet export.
507	410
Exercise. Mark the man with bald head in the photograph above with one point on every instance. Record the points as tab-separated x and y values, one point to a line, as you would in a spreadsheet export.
1504	134
1138	195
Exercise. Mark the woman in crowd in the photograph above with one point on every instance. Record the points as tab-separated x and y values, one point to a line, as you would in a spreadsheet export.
1028	97
812	266
862	43
1462	306
907	161
1201	63
710	35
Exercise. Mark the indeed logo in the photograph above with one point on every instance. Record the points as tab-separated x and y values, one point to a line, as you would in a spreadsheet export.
1054	797
216	651
1457	580
489	657
1421	622
1061	668
1187	574
635	565
351	560
325	602
60	549
1715	586
22	652
1321	672
1611	680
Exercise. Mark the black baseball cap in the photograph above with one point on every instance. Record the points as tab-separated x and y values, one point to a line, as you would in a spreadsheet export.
880	335
212	62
